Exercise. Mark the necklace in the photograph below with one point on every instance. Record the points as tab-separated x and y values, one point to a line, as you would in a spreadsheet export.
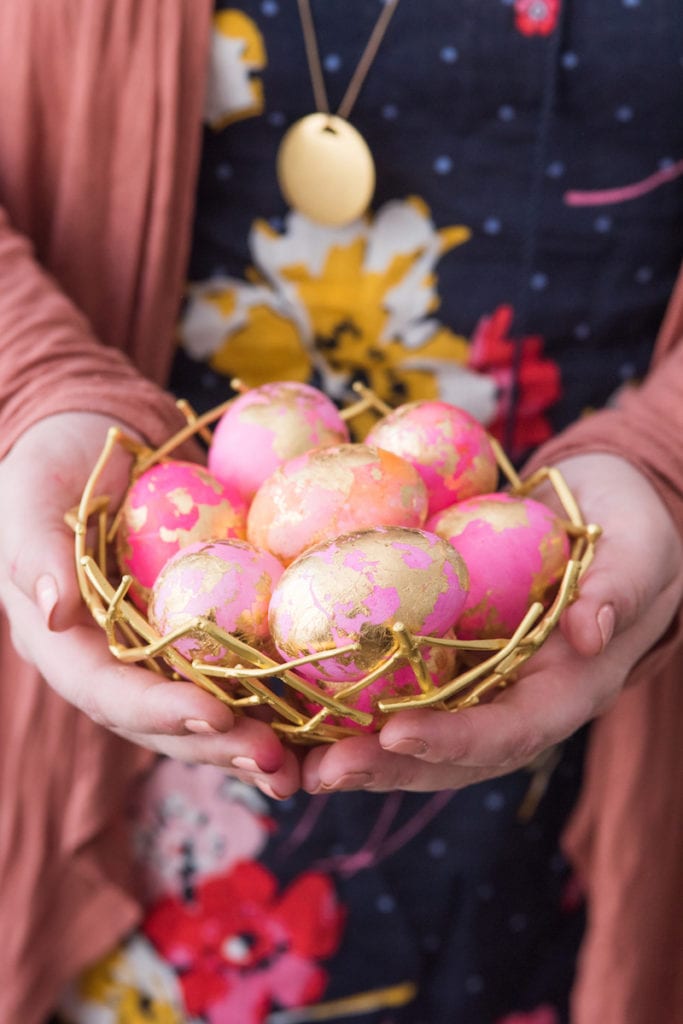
324	165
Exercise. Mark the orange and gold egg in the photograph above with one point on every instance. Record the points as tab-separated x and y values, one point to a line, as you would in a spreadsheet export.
331	491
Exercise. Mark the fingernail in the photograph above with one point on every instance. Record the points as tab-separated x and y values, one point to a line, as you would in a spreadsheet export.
269	791
198	725
352	780
606	623
245	764
408	745
47	596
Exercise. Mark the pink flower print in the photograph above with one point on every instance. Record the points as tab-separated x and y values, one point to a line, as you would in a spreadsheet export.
191	821
536	17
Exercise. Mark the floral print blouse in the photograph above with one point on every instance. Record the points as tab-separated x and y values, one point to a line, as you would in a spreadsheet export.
523	239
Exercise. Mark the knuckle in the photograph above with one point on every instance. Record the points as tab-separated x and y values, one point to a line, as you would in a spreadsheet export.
90	707
19	643
525	744
404	775
85	694
459	744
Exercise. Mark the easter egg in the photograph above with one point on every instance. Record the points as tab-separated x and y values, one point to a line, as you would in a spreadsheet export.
268	425
169	506
515	549
225	581
401	681
354	588
330	491
449	448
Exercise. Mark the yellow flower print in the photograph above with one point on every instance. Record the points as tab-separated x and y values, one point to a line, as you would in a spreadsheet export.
341	304
237	52
130	986
245	331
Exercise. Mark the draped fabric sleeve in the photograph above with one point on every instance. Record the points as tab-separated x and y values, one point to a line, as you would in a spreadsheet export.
99	147
50	361
645	427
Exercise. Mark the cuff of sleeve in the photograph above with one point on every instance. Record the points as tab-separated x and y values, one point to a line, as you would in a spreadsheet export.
645	428
146	409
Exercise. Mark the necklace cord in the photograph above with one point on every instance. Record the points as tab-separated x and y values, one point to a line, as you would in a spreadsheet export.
362	68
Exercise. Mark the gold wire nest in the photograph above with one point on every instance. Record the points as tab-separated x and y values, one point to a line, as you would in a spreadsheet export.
259	681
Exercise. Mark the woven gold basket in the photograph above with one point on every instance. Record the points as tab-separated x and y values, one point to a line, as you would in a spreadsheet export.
259	681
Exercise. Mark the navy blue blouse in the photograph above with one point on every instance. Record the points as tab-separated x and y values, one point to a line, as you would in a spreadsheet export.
551	132
523	239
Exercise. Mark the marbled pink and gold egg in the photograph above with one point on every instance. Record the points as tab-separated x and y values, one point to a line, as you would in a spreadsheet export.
171	505
354	588
229	583
330	491
440	663
516	551
267	426
449	448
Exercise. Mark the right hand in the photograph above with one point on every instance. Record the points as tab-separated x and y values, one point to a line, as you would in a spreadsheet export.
42	477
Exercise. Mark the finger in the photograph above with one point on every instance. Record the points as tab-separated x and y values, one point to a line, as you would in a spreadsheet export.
636	558
80	667
551	700
38	555
246	752
611	594
359	764
611	604
44	474
41	564
78	664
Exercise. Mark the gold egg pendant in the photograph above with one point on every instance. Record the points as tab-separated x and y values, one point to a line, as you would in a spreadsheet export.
325	170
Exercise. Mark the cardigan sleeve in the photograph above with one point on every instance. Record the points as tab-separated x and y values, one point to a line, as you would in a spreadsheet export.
627	824
51	362
645	427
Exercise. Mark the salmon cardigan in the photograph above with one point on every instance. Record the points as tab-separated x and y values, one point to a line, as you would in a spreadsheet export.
99	145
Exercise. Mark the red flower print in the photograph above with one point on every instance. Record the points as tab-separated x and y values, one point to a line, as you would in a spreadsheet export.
492	352
238	946
541	1015
536	17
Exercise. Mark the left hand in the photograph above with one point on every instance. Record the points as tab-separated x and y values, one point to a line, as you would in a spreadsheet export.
628	597
52	629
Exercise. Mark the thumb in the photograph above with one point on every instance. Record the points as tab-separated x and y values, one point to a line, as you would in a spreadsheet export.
637	558
590	623
41	560
621	590
41	477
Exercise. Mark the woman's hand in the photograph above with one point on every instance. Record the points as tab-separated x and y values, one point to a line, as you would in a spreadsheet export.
40	479
628	598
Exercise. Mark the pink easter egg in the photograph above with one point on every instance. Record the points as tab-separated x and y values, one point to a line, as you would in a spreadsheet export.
228	582
268	425
169	506
440	662
354	588
449	448
516	551
330	491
